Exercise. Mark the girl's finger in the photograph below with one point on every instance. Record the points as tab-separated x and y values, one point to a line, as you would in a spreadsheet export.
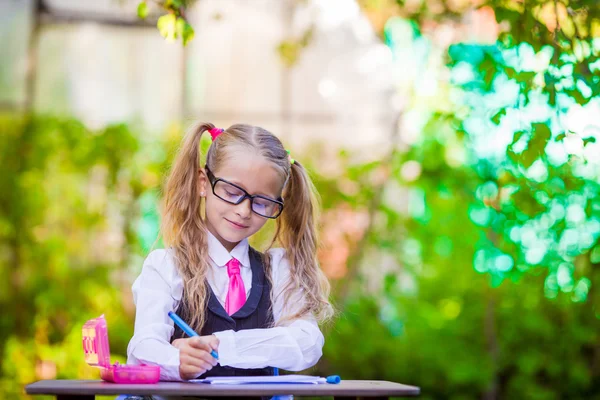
213	342
190	371
199	343
198	362
202	355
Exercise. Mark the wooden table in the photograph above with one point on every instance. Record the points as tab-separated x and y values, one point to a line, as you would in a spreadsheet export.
87	390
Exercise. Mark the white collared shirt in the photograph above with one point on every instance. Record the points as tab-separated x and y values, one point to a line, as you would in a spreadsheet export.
217	276
159	289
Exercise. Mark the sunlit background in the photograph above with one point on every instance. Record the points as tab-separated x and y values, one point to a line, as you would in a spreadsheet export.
455	145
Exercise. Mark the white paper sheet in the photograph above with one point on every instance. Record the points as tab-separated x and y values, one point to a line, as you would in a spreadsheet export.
267	379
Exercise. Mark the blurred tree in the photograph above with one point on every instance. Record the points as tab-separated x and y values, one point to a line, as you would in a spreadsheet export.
491	283
67	235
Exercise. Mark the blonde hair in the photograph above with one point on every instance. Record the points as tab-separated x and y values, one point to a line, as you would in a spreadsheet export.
184	229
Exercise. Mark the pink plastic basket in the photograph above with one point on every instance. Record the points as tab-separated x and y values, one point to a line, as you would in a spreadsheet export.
97	354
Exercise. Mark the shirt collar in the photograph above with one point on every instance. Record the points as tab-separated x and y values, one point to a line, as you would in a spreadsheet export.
221	256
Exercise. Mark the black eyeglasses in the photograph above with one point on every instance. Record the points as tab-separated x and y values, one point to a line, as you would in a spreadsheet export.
233	194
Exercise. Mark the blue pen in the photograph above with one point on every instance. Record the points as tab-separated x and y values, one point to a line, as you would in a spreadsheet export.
188	330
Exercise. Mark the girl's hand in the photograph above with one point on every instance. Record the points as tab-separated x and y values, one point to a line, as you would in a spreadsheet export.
194	355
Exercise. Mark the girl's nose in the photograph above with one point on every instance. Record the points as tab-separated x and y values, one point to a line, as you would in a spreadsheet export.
244	209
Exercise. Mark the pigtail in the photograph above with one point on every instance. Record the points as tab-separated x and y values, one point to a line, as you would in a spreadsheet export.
183	228
297	233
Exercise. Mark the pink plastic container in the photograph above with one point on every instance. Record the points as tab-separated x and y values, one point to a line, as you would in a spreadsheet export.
97	354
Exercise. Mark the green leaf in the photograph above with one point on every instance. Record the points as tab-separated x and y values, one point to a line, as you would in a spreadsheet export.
488	69
179	27
505	14
307	37
541	136
166	26
510	72
288	52
142	10
576	95
517	136
188	34
496	118
184	30
528	157
525	76
537	144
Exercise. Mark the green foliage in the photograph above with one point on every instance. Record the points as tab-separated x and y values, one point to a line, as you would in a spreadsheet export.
67	239
492	283
289	50
174	24
142	10
463	309
167	26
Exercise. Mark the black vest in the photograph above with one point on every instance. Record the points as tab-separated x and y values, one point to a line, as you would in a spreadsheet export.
256	313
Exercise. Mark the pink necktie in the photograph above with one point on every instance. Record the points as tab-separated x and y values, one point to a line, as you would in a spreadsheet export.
236	295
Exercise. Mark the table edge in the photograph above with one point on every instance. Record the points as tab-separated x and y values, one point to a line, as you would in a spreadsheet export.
38	388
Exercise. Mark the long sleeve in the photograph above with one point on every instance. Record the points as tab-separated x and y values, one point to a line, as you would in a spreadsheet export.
156	291
295	347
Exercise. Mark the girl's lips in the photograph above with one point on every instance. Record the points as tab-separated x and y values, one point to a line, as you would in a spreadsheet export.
236	225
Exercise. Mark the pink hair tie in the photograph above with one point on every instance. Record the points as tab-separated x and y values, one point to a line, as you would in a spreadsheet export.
215	132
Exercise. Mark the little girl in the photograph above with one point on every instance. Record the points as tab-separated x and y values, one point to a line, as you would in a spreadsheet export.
257	310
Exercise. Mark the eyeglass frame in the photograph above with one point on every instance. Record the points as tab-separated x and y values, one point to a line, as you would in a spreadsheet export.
213	180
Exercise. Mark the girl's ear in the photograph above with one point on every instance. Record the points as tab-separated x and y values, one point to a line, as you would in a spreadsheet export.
203	182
